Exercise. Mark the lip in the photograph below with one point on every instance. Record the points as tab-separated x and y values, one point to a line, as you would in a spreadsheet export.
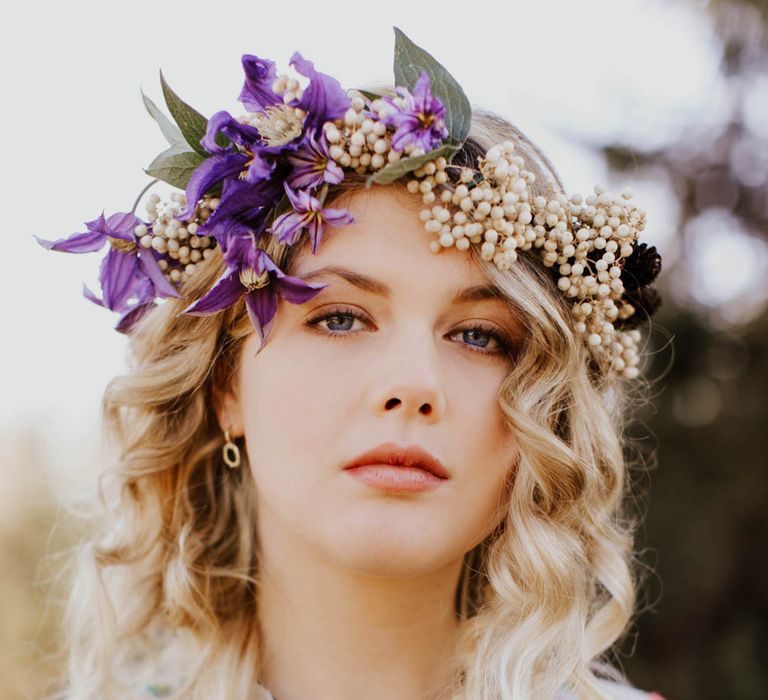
394	468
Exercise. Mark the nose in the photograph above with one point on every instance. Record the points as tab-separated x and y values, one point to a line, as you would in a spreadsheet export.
408	378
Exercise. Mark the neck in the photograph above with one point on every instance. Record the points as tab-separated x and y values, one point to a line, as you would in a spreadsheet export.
330	633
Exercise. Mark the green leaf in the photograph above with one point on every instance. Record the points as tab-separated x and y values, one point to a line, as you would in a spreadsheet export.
175	165
410	60
394	171
192	124
169	129
368	95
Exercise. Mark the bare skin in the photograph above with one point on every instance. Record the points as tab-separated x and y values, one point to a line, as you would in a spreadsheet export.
358	585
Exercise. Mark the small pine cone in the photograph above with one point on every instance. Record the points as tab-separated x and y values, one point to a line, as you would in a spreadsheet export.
641	268
646	301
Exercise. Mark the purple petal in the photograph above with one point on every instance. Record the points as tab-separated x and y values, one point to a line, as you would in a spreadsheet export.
224	231
225	123
422	98
160	282
215	123
296	290
87	242
224	293
312	164
243	253
117	278
88	294
333	172
286	227
262	306
401	138
267	263
259	168
241	198
122	224
334	217
301	200
208	173
308	176
131	316
324	99
337	217
256	94
119	225
315	228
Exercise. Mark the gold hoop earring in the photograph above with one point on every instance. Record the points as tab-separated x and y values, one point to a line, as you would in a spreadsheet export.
230	452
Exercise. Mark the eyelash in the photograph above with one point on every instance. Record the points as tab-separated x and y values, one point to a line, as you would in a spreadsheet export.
341	311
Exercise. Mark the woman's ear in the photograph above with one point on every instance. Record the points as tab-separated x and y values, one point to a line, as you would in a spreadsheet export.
226	404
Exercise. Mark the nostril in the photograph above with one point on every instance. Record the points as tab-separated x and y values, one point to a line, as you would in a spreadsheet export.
392	403
426	409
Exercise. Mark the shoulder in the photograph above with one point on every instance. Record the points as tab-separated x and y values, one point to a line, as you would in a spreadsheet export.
616	691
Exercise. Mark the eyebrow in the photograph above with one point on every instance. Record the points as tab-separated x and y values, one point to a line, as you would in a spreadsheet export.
479	292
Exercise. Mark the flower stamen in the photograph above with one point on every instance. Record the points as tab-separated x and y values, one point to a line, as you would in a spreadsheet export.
253	280
278	124
121	244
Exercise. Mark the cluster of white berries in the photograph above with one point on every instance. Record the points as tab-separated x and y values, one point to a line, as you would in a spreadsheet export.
178	242
586	238
361	141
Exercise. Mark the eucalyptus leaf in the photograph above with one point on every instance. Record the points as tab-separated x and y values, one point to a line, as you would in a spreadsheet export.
410	60
394	171
368	94
192	124
171	132
175	165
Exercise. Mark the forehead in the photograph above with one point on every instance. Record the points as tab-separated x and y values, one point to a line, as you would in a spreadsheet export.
387	241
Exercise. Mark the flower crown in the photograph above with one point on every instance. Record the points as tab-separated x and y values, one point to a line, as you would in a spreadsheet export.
266	175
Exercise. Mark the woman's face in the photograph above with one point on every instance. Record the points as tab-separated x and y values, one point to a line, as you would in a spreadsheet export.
399	361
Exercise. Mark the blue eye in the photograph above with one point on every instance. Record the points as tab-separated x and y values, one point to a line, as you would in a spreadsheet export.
475	332
486	336
339	323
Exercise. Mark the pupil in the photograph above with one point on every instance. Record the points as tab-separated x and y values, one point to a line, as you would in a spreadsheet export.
475	333
347	326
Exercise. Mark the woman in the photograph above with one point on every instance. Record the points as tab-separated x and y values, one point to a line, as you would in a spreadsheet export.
349	467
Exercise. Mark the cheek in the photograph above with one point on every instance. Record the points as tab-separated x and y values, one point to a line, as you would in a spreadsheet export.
491	450
291	413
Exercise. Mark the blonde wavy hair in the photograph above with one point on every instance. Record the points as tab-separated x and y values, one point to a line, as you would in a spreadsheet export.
172	561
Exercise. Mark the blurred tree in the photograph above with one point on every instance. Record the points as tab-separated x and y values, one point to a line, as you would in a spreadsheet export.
707	520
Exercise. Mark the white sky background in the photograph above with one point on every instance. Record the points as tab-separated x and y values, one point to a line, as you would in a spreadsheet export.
76	134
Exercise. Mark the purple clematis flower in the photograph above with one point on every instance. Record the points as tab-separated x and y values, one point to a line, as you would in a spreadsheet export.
249	166
324	99
129	275
421	122
312	164
307	213
252	273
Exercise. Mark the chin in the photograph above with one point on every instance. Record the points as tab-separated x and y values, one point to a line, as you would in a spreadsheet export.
388	554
